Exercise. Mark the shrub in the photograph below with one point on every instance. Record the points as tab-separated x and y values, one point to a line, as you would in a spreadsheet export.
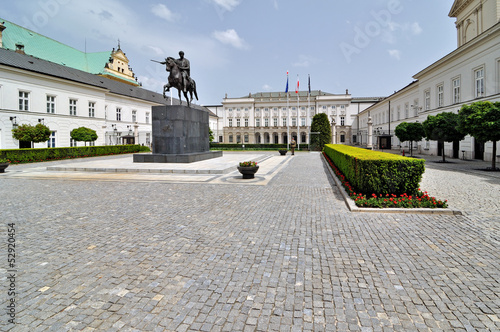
17	156
376	172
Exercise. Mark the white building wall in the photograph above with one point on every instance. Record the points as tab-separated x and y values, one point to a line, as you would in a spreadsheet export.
13	80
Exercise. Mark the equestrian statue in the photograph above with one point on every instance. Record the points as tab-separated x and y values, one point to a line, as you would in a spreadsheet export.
179	77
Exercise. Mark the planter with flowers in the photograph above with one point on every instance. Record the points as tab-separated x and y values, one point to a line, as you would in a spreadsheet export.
248	169
4	163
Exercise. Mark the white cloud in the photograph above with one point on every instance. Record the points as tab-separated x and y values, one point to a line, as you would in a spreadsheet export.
230	37
416	29
228	5
163	12
303	61
266	87
396	54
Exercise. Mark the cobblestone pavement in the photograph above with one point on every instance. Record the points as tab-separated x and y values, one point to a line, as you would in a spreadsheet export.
286	256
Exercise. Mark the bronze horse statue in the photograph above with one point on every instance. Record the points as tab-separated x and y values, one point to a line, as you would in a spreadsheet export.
175	81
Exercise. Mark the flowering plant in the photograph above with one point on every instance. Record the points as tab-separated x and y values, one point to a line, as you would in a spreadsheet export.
4	161
248	164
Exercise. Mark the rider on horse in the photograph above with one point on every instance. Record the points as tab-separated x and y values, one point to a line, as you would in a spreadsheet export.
185	69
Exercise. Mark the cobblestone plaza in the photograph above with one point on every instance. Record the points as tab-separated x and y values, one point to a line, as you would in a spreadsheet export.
101	251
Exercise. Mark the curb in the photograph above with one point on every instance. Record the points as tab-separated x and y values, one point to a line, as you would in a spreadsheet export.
354	208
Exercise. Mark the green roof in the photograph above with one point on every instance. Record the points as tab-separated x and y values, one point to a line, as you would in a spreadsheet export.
51	50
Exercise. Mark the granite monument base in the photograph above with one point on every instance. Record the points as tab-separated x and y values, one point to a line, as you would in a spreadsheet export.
175	158
180	135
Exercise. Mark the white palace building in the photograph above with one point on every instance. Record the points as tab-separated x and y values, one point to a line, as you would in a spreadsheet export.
273	117
468	74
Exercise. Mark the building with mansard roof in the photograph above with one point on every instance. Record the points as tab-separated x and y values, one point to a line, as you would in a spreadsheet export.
42	80
468	74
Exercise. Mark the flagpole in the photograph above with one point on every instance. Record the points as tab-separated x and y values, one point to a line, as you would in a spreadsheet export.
287	114
298	110
298	116
308	96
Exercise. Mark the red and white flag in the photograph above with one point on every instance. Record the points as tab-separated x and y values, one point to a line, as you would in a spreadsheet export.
297	89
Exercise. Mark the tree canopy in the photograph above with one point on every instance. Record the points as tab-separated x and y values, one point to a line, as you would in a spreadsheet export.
29	133
321	125
443	127
482	121
83	134
413	131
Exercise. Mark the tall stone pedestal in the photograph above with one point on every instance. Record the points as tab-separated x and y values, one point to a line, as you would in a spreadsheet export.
180	135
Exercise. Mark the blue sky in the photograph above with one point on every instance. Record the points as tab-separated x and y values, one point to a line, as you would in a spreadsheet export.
370	47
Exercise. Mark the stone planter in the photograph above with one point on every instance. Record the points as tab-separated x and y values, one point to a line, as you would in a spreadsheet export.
248	172
283	152
3	166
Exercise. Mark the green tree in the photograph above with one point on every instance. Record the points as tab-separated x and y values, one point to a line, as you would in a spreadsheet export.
83	134
29	133
210	135
321	125
443	127
413	131
482	121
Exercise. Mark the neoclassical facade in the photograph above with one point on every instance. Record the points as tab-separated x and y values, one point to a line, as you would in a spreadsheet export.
276	117
468	74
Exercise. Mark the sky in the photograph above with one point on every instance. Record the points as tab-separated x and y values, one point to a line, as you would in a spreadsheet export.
237	47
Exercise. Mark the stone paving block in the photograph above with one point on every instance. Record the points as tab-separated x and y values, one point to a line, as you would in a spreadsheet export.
282	256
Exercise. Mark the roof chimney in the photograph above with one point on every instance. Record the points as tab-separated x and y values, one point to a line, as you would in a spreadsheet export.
20	48
2	28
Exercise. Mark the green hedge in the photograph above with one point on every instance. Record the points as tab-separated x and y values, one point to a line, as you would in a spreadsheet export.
235	146
373	172
17	156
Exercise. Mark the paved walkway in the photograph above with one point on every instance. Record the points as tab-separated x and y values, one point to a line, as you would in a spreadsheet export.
285	255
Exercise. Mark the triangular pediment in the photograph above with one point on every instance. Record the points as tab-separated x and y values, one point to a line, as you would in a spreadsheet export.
458	6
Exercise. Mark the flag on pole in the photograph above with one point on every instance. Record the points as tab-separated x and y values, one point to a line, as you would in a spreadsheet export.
286	90
297	89
309	83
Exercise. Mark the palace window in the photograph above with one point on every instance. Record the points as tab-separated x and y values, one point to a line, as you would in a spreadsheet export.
342	120
245	137
134	116
284	122
230	138
479	83
303	122
275	122
51	104
294	122
246	122
230	122
440	95
257	122
456	90
118	114
91	109
24	101
266	122
238	122
427	100
51	143
407	111
72	107
147	117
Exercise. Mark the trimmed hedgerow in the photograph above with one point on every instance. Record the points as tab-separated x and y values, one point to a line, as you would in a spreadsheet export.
377	172
19	156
